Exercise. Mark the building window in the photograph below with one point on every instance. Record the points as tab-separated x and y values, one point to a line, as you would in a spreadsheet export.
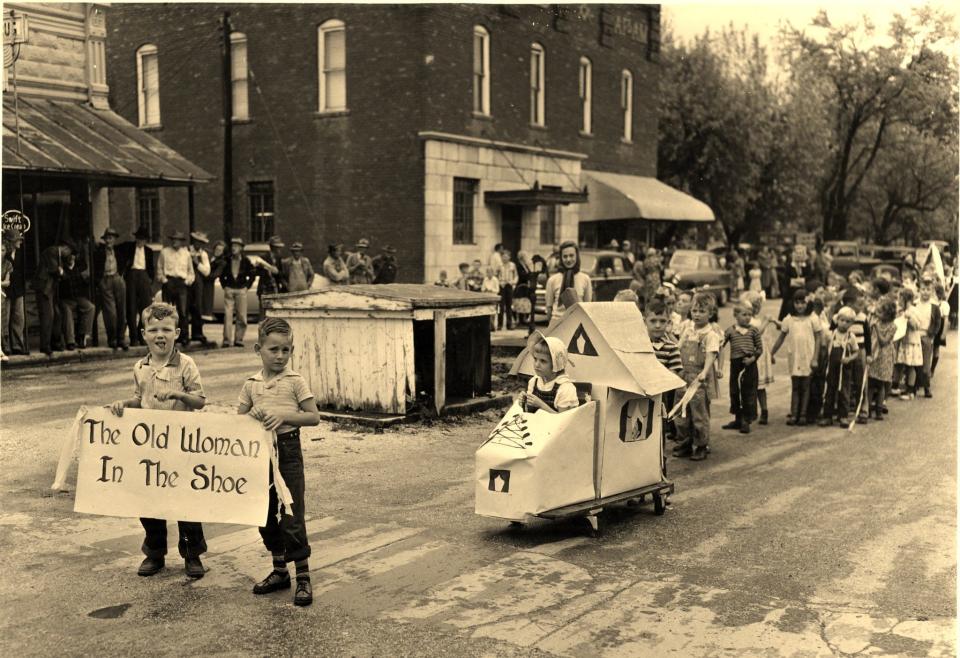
626	104
548	224
239	75
464	198
261	211
148	85
586	96
332	65
148	211
537	91
481	70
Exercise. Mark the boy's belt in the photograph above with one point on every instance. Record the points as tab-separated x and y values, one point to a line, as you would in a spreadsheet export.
289	436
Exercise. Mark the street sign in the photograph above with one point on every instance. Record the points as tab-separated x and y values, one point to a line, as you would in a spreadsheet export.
16	219
15	30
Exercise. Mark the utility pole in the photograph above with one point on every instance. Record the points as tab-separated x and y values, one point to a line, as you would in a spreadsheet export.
227	131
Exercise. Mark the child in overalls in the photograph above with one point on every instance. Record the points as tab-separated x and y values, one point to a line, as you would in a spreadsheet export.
699	345
843	351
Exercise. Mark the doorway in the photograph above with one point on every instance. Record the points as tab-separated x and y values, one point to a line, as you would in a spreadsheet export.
511	228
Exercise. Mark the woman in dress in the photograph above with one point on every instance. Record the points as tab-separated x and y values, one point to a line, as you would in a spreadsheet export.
569	285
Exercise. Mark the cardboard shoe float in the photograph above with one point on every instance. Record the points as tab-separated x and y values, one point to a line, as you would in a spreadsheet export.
606	451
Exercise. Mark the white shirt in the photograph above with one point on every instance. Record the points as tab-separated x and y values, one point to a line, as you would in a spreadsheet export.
175	263
203	261
139	258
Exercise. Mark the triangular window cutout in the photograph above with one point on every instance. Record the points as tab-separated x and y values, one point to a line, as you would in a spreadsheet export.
580	343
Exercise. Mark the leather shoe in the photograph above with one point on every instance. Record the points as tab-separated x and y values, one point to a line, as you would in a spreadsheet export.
682	451
698	454
275	581
194	567
150	566
304	593
732	425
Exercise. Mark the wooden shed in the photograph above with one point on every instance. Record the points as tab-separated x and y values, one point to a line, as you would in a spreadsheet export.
385	348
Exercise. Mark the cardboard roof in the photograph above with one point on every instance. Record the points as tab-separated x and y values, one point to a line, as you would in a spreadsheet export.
608	344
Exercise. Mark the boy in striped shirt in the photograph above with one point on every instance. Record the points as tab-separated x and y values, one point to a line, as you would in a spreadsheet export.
657	318
746	346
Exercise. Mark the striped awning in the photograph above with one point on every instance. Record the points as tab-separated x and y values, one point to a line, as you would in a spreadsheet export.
71	138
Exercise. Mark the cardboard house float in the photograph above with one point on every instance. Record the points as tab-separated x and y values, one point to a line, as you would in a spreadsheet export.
604	451
384	350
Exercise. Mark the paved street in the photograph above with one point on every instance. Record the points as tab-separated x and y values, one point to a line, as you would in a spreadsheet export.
789	541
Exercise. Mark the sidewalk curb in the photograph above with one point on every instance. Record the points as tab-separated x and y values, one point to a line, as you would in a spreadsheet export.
38	359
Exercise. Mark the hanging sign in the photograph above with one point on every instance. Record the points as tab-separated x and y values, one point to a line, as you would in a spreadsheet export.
14	30
16	219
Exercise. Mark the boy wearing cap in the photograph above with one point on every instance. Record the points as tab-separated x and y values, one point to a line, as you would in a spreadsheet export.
201	266
236	277
298	269
359	264
176	276
112	289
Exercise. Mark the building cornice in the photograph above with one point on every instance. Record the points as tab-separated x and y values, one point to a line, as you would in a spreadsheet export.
492	143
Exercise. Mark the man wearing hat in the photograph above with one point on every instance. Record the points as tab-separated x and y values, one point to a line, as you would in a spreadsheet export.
111	287
359	264
626	249
385	266
298	269
14	331
45	284
176	276
139	270
236	277
201	266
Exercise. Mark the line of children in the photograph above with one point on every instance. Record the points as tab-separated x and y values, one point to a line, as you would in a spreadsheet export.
275	396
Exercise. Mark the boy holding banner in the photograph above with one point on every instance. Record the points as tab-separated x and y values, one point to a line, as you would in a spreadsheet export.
281	400
166	379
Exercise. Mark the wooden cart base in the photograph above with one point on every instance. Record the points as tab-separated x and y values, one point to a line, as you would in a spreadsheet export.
591	509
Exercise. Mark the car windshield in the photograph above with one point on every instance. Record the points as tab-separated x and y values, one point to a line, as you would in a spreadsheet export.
683	261
843	250
612	263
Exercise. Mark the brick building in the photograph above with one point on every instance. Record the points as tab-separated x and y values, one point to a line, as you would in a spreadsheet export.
438	129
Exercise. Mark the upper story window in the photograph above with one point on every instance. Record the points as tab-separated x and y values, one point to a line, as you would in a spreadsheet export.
481	70
239	75
148	85
332	65
626	104
586	96
537	85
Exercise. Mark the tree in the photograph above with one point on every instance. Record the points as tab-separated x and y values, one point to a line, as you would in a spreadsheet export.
869	91
716	123
912	191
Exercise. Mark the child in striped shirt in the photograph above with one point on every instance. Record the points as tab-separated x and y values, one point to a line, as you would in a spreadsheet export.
746	346
657	319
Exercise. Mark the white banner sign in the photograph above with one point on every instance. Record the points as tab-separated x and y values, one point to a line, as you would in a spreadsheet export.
172	465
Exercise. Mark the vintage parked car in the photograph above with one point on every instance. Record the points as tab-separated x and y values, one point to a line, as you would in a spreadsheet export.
699	271
610	272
